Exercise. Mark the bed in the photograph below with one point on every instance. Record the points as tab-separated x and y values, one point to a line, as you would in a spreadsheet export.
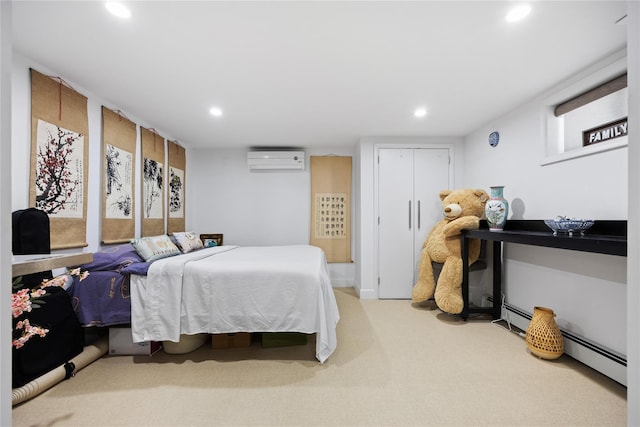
229	289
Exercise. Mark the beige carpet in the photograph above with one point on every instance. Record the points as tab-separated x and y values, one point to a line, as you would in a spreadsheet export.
396	365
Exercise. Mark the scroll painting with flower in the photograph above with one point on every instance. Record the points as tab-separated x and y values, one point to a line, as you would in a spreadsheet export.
59	159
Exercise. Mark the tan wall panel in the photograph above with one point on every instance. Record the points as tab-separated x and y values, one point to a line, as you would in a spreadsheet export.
331	206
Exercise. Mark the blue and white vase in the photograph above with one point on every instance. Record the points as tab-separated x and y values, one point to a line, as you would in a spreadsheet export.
496	209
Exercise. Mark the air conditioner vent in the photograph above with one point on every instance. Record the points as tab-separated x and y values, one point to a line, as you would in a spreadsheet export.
275	160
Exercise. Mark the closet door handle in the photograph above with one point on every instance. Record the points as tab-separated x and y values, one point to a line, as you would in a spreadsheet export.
418	214
409	214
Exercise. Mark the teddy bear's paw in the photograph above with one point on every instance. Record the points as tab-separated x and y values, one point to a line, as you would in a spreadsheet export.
451	304
421	293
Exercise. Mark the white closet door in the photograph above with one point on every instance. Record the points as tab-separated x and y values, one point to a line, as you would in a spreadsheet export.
409	184
431	175
396	211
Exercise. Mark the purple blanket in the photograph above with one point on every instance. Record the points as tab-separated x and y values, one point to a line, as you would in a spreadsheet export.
103	298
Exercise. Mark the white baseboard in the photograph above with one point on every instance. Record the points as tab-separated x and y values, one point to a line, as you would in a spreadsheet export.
365	293
341	283
604	360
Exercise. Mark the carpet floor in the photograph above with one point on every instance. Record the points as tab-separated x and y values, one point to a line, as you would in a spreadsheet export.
396	365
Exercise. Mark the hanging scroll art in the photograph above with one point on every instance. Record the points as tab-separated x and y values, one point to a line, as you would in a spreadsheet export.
177	165
331	206
118	154
59	159
153	179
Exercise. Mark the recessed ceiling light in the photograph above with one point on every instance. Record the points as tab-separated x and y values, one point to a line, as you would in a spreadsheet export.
215	111
118	9
420	112
518	12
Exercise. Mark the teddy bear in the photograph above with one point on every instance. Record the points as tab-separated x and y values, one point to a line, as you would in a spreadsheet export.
462	210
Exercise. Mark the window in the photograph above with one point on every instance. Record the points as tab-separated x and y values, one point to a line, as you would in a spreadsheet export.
588	117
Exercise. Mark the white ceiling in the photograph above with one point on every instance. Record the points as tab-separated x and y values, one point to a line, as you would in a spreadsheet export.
313	74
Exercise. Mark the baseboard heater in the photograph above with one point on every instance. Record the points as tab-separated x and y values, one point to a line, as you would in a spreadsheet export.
602	359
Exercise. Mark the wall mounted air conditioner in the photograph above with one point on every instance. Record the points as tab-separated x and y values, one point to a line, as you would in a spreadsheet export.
275	160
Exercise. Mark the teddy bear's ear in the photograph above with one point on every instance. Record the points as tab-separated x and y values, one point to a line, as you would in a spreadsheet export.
444	193
482	195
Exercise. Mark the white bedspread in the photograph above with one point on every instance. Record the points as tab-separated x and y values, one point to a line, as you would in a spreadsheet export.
230	289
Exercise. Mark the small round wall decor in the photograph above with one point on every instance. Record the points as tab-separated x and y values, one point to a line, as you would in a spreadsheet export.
494	138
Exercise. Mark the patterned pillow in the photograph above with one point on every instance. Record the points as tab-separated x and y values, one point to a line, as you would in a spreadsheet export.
154	248
187	241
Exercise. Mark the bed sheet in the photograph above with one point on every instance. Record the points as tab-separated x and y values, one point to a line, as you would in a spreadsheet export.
230	289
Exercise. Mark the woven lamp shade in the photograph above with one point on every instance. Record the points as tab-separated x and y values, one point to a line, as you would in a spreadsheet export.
543	336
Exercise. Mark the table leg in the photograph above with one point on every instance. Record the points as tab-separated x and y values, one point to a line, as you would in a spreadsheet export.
465	278
497	279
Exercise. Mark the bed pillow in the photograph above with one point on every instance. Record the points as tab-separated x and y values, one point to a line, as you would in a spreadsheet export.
113	258
188	241
155	247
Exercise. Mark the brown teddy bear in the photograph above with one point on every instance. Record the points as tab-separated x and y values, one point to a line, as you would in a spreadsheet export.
462	210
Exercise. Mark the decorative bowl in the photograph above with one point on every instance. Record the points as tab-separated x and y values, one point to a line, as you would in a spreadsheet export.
567	225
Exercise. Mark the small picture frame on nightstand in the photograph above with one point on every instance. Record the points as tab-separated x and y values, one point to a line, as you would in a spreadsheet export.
211	240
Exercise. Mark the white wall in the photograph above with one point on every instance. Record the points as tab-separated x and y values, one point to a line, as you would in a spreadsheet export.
255	208
587	291
589	187
21	147
6	321
366	275
633	268
221	194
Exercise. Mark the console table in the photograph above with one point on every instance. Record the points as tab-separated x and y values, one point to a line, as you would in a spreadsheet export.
604	237
27	264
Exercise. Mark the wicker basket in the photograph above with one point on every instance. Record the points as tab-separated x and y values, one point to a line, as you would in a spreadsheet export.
543	335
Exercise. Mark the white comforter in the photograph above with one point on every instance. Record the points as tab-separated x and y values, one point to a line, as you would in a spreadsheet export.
229	289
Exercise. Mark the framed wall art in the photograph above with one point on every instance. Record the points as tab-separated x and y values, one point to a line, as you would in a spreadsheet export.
210	240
